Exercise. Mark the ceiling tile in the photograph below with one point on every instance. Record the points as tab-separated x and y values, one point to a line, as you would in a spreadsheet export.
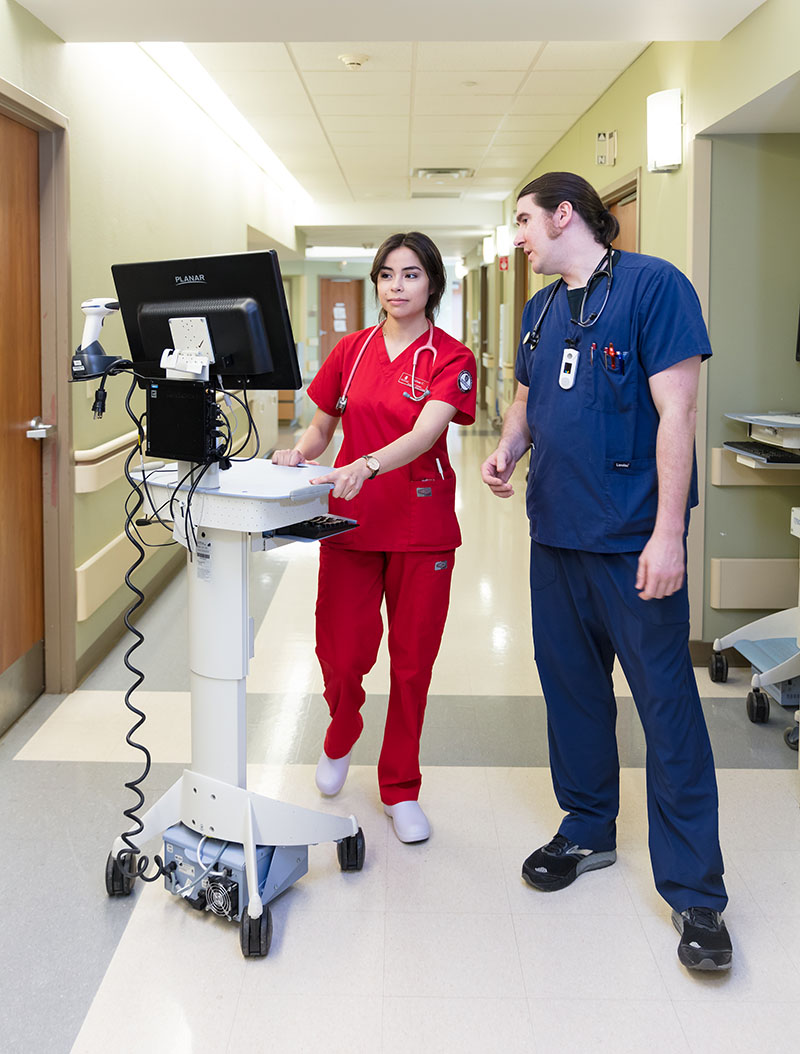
466	105
576	82
498	55
358	83
432	124
386	137
468	83
453	137
589	55
259	92
241	58
572	105
386	105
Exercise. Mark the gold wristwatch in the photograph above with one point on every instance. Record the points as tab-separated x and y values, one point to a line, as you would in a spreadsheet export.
372	464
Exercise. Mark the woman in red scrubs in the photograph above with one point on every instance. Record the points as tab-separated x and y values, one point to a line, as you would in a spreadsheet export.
396	388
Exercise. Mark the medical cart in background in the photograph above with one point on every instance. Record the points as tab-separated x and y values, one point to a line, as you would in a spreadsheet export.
771	644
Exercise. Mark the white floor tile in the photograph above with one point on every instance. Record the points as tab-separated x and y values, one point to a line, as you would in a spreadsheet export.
470	1026
598	956
772	877
427	878
304	1024
739	1028
173	984
615	1026
449	955
92	725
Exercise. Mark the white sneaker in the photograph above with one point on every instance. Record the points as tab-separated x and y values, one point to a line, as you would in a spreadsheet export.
410	822
331	773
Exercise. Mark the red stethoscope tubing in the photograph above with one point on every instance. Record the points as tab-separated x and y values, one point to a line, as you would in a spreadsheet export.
341	402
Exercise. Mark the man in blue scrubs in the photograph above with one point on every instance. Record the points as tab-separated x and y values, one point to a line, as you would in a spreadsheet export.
608	370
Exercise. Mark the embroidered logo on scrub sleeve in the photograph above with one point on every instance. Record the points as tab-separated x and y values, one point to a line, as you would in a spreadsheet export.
464	381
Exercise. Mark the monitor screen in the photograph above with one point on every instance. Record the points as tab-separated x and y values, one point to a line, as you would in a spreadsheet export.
241	298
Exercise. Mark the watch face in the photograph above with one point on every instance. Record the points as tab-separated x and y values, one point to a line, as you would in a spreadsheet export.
372	464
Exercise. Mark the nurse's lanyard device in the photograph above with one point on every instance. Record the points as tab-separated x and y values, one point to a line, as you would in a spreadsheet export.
341	402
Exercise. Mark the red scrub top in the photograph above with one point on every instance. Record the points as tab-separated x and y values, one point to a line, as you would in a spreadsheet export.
410	508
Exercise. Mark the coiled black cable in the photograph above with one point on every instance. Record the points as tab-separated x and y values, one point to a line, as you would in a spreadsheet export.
131	861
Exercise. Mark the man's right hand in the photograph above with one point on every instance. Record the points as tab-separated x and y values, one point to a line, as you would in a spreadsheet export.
496	471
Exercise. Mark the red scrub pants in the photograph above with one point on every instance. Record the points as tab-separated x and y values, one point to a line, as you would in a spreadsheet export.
352	584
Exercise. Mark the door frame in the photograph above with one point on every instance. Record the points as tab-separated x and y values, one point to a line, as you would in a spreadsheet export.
626	187
57	471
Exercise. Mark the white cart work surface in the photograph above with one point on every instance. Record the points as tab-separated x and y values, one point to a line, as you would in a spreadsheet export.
224	523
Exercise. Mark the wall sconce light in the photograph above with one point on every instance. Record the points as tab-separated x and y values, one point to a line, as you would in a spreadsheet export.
502	239
664	131
461	269
489	251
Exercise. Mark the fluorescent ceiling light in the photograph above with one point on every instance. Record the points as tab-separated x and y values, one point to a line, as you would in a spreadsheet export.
339	252
177	61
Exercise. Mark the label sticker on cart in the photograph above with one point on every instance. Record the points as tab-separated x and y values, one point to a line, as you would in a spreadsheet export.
202	555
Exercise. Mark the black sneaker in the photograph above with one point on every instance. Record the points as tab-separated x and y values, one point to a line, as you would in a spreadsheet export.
559	863
705	943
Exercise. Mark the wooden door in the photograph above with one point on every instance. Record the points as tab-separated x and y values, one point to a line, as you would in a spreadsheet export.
21	562
626	213
341	310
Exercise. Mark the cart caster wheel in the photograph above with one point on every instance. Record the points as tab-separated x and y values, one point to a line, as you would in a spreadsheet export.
351	852
758	706
119	883
718	666
791	736
255	935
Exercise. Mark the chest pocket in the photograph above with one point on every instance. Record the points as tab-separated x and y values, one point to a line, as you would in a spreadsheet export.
611	391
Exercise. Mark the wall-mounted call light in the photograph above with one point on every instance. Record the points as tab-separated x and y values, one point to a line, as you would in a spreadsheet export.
664	131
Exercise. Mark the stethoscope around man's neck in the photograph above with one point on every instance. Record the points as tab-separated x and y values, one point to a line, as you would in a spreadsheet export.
341	402
605	269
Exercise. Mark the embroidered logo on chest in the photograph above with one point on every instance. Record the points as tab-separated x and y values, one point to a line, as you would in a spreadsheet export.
420	384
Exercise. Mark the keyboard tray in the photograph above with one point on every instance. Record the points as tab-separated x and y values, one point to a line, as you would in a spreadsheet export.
766	452
315	529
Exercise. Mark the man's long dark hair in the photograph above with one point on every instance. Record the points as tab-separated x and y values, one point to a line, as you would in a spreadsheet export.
552	188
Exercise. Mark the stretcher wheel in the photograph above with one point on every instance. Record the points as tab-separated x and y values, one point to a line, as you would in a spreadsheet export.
758	706
791	736
718	666
255	935
351	851
119	883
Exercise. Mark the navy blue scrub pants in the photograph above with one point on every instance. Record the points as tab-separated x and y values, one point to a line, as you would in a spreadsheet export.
586	610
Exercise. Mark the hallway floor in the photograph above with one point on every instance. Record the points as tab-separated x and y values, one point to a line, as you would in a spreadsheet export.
432	947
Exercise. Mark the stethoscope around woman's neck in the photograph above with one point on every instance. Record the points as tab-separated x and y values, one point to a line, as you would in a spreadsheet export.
341	402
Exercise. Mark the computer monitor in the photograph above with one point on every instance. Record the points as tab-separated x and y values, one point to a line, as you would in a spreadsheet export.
241	298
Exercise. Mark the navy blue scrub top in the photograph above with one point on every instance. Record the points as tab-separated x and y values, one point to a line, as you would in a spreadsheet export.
592	483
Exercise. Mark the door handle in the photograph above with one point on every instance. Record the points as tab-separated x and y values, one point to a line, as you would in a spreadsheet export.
37	429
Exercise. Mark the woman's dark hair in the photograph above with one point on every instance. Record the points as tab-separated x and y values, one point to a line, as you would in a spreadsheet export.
430	258
552	188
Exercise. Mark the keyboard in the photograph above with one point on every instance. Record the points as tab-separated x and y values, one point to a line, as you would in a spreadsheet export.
317	528
766	452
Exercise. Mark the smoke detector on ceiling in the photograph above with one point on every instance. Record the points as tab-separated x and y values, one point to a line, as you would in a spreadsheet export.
354	62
